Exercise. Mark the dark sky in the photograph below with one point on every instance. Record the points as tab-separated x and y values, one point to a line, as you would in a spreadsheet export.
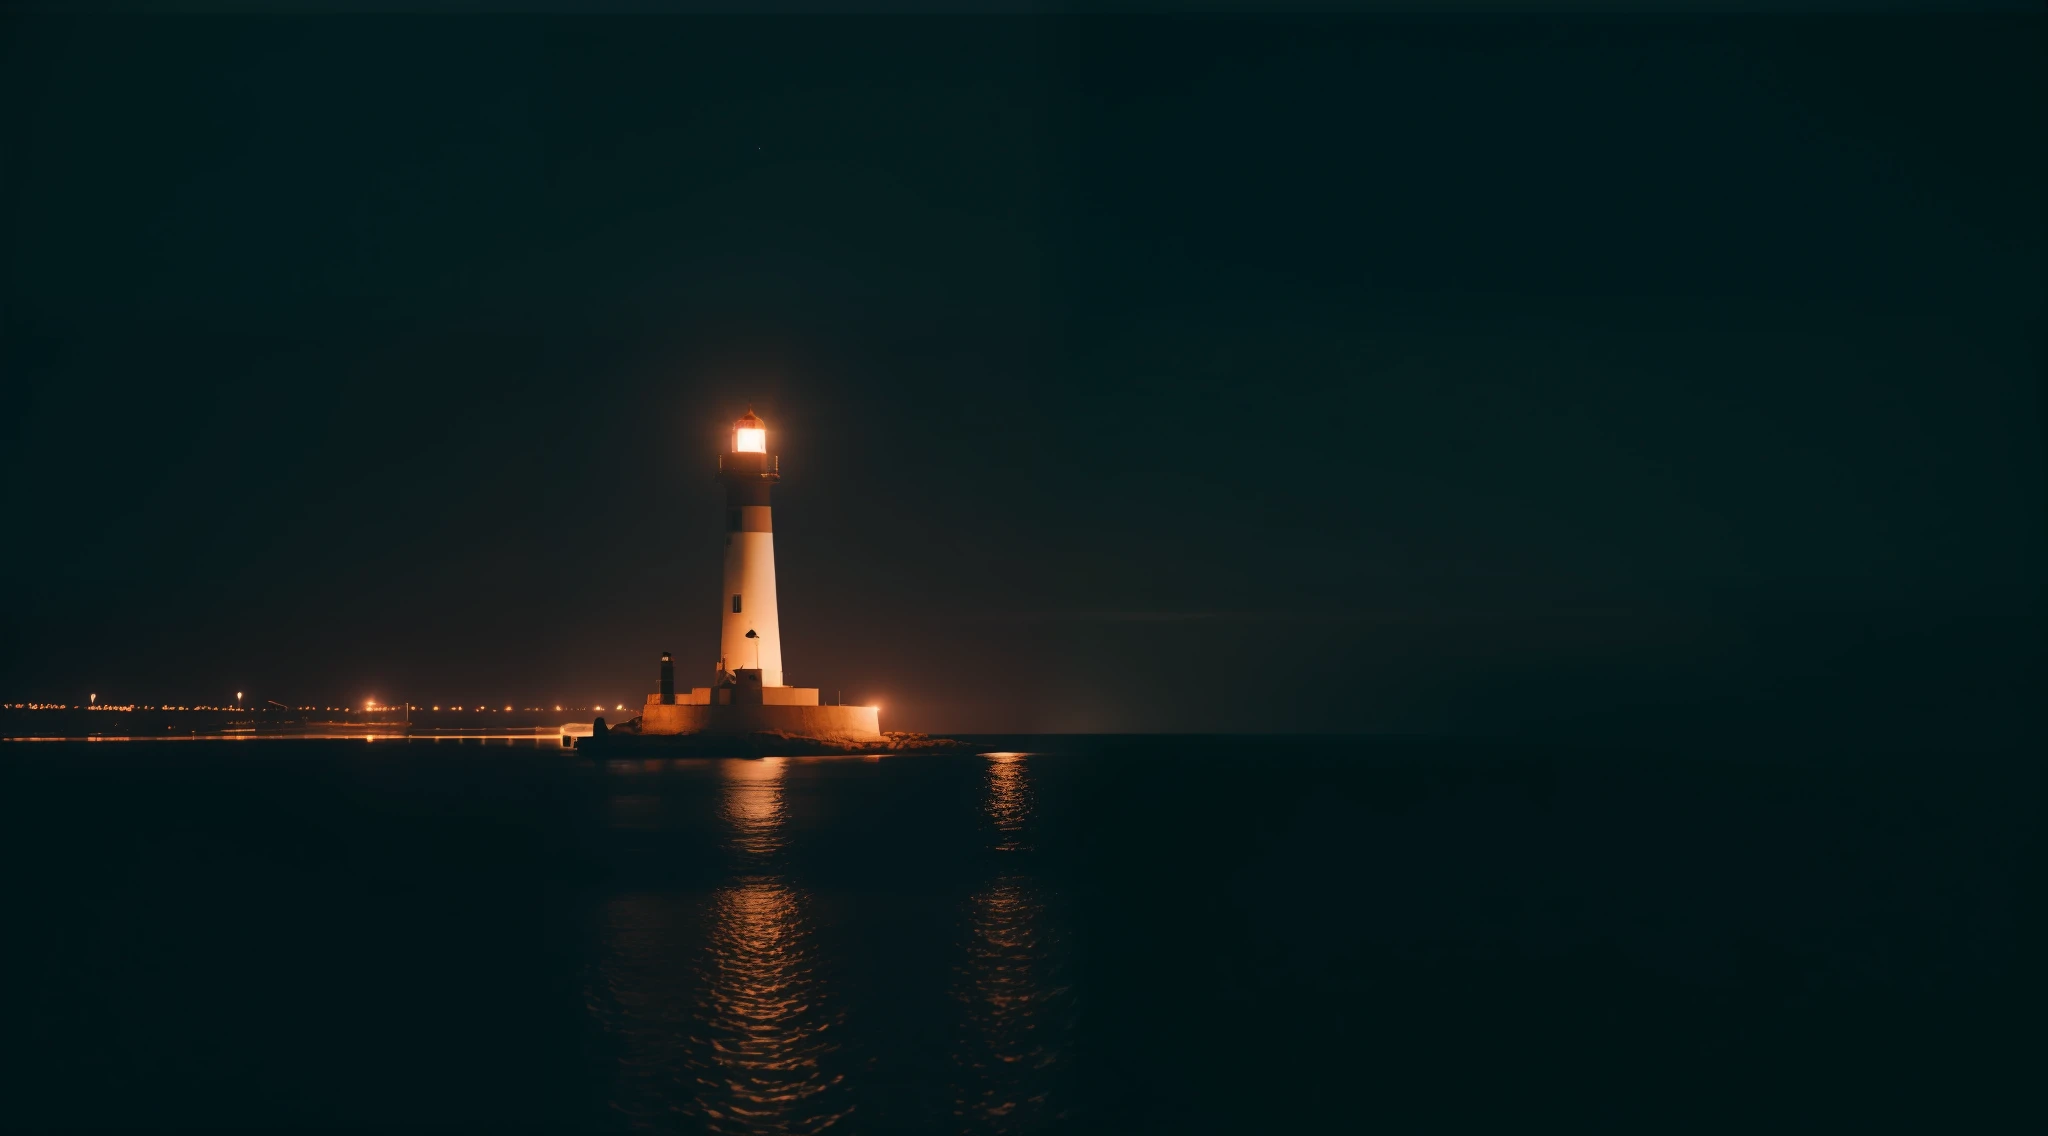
1553	376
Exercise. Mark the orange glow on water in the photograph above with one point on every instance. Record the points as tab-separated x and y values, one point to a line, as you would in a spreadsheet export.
743	1037
753	803
1009	799
1011	984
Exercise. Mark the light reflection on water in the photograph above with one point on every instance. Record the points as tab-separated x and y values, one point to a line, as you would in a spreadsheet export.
762	1041
1010	1051
716	1008
752	806
715	1005
1009	800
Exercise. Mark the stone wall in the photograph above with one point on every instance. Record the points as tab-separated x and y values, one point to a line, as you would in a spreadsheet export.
837	723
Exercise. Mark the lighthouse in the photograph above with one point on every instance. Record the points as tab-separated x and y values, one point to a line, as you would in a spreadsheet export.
747	697
750	637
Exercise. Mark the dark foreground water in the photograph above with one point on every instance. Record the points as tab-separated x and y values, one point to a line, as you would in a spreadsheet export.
1106	935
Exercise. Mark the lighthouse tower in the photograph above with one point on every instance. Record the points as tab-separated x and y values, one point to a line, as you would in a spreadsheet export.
746	698
749	638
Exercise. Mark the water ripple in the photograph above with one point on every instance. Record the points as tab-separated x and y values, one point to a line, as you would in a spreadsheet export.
762	1027
1010	1051
1008	805
715	1006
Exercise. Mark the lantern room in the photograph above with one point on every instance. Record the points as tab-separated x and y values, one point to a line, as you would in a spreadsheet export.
749	434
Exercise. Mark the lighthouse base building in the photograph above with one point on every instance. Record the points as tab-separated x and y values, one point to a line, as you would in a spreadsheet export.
746	696
741	706
789	710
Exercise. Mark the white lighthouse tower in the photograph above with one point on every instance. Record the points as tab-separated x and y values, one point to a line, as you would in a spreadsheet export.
750	638
747	697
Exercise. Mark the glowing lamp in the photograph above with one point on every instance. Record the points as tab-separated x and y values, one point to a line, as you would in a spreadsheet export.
749	434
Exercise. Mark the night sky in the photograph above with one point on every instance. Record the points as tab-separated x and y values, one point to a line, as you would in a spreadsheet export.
1591	377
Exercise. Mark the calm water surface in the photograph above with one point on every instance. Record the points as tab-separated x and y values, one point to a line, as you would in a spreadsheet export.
1084	934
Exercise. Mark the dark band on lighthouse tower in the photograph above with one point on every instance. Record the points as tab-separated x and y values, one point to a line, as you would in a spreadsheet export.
750	637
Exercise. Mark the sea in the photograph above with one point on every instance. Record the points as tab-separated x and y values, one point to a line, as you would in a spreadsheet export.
1100	934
